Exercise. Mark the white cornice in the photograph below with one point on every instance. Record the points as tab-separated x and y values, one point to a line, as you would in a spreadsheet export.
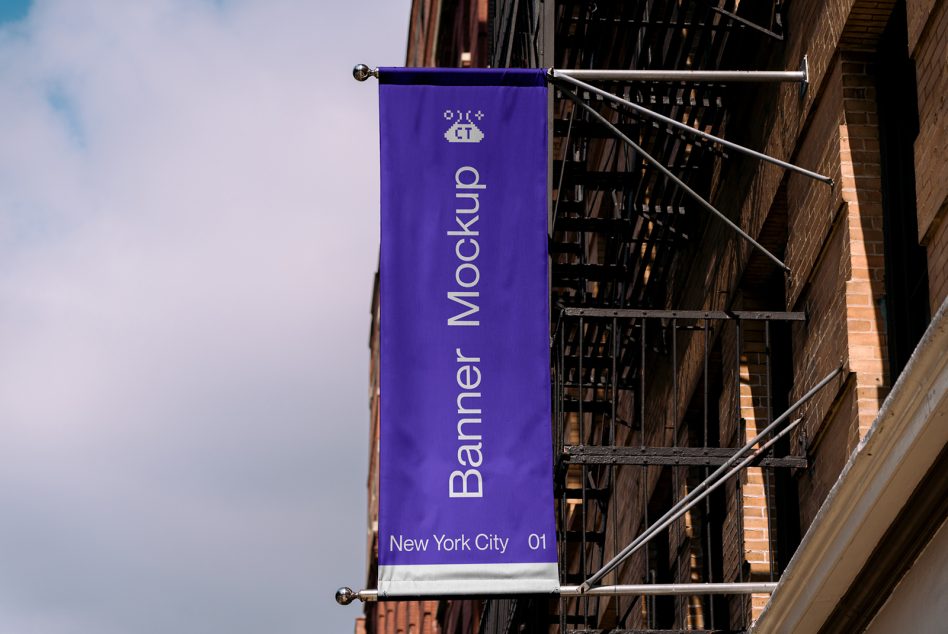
882	472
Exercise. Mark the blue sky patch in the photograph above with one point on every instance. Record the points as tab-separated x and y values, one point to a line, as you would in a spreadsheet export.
59	100
13	10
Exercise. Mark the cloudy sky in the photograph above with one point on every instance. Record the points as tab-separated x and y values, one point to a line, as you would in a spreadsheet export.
188	234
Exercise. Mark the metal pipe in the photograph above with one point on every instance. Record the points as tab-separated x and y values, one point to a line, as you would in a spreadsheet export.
362	72
747	23
670	589
620	557
667	172
345	596
682	126
723	76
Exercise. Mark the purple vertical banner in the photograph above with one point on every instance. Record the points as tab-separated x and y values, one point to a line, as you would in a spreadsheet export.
466	481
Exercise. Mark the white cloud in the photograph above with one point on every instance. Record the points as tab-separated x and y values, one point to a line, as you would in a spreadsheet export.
188	232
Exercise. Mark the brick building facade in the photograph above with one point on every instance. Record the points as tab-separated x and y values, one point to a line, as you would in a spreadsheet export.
847	515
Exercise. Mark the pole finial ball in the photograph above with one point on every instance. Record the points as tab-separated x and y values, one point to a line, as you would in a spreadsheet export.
345	596
361	72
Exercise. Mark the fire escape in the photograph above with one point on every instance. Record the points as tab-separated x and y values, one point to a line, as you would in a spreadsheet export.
658	378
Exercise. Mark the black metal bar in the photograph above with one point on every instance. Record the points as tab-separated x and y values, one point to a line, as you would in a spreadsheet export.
642	441
562	128
582	441
577	536
573	405
651	631
612	440
561	440
610	226
585	272
633	313
742	438
576	172
767	492
674	468
707	472
684	456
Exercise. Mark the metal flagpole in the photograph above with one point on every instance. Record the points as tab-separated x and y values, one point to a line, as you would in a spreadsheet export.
345	596
689	75
670	589
567	77
362	72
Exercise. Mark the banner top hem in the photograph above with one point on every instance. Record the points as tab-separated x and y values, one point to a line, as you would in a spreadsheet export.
526	77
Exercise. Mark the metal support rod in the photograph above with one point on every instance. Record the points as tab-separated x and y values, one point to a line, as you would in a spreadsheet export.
670	589
747	23
664	170
559	183
558	74
621	556
722	76
345	596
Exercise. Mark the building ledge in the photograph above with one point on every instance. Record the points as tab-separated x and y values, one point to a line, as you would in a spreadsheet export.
884	470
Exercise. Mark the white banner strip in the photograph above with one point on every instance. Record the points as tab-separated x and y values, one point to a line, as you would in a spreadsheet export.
439	579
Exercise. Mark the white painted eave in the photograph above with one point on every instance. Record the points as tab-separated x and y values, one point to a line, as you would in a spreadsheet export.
882	472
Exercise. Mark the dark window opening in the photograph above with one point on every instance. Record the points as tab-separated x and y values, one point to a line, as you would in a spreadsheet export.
661	609
704	431
763	286
720	617
907	312
786	504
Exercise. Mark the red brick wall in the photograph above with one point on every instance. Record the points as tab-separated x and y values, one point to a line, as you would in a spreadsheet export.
938	264
836	251
862	194
404	617
928	32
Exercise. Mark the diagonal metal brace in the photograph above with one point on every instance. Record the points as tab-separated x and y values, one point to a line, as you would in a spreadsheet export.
687	128
664	170
712	481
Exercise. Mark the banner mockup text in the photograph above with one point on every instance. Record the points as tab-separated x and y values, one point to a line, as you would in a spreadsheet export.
465	480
